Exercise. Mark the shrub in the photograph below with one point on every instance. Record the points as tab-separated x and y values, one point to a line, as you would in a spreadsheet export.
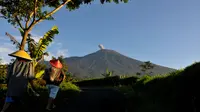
101	82
128	80
170	92
64	86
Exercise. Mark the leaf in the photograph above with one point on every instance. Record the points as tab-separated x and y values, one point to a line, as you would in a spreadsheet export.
21	31
12	39
45	41
39	74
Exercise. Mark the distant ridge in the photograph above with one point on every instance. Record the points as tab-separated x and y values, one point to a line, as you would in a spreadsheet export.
94	64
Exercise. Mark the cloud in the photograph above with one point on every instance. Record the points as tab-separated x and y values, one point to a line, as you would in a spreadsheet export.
56	50
56	54
6	49
62	52
36	38
3	38
4	61
47	58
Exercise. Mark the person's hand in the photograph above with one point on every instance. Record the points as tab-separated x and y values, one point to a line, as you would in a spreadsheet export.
36	94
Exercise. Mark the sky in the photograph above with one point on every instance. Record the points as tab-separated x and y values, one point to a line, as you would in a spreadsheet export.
165	32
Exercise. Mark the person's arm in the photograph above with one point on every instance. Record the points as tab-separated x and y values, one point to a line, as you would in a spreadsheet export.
9	72
64	76
31	77
33	89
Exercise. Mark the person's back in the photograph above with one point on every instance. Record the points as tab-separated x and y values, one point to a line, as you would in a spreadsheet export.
19	73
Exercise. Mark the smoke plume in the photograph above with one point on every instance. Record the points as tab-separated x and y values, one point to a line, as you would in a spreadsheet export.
101	46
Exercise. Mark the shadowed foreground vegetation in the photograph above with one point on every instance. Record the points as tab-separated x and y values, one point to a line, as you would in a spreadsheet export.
32	103
174	92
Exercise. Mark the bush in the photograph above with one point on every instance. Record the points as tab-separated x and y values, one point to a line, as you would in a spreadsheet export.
128	80
64	86
165	93
102	82
35	104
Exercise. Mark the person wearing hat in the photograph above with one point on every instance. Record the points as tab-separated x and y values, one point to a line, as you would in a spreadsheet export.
53	77
20	72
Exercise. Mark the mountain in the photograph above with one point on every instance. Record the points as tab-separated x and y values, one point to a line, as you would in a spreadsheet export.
94	64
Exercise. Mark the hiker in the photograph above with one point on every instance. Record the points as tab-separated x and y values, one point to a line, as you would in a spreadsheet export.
19	74
53	77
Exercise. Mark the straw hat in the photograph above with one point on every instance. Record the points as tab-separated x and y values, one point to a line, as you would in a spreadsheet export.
56	63
21	54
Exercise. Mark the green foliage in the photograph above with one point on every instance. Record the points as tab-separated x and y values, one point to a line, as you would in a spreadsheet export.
25	14
23	11
69	77
147	66
39	67
46	40
172	92
37	50
108	73
128	80
1	61
138	74
68	86
3	72
100	82
67	90
13	40
2	79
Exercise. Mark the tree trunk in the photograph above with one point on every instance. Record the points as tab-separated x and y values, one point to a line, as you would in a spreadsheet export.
23	42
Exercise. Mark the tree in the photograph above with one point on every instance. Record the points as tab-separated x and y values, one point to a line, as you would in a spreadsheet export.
108	73
1	61
25	14
147	66
37	50
138	74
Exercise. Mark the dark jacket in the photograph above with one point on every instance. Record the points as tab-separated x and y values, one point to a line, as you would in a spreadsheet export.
57	81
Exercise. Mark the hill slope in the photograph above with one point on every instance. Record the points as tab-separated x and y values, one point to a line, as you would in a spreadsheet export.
94	64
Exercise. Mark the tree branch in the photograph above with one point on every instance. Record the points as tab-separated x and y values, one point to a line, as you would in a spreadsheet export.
52	12
50	1
18	21
33	13
35	9
13	39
